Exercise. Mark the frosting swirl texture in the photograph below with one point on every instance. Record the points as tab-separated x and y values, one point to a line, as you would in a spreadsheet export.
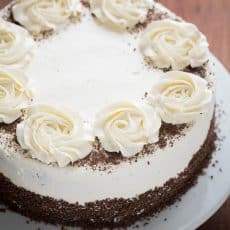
16	45
181	97
53	136
14	94
126	128
45	15
176	45
120	14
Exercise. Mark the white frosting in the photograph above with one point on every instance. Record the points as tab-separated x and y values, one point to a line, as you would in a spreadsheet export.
16	46
181	97
53	136
71	73
126	127
44	15
14	94
120	14
169	43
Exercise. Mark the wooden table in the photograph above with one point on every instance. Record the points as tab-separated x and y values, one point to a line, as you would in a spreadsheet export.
213	19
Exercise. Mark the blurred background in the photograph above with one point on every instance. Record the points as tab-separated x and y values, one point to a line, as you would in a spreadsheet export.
213	19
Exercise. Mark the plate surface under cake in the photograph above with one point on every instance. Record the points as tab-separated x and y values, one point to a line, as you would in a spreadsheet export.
136	145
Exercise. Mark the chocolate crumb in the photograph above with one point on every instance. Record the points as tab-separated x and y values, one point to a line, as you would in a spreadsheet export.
85	3
153	15
200	71
10	128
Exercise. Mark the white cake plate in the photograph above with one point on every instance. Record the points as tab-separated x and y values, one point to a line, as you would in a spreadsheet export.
197	205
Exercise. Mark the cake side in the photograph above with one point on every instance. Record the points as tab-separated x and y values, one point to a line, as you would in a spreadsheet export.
110	213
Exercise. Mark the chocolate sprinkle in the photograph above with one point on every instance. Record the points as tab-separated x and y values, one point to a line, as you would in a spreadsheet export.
153	15
10	128
200	71
85	3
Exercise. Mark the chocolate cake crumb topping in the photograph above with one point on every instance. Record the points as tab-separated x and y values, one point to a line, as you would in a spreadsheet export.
200	71
85	3
153	15
11	128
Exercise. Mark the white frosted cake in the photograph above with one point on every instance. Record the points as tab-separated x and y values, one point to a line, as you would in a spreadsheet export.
106	110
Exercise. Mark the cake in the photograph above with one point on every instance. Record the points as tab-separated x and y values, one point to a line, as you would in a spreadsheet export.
107	110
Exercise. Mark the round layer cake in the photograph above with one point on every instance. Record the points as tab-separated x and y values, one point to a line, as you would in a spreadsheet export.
106	110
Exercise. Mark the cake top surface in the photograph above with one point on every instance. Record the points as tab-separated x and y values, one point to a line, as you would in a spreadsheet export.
102	73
